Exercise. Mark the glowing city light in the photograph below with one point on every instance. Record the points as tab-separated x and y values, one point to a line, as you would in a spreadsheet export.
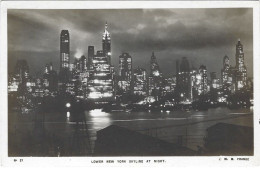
94	95
68	105
107	94
100	74
98	113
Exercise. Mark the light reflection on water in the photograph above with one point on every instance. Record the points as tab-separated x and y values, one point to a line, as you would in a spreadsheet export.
97	120
238	113
158	119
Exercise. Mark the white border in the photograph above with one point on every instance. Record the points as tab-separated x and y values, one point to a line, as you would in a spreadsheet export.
86	161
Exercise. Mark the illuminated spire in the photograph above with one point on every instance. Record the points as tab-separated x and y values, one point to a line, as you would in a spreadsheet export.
106	26
106	34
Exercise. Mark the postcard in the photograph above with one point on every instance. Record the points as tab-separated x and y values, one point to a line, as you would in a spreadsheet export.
130	83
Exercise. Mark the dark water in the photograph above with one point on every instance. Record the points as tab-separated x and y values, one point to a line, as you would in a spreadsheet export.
169	125
191	126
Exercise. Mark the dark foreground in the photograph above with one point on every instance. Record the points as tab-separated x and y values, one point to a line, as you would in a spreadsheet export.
218	131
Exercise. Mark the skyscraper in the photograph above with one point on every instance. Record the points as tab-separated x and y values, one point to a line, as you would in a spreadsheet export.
239	57
100	86
225	72
203	80
241	75
227	76
125	72
154	66
64	49
155	80
194	87
64	55
91	53
106	44
50	79
184	82
140	81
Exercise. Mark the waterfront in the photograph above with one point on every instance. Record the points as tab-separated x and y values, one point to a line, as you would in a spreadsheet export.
85	100
190	126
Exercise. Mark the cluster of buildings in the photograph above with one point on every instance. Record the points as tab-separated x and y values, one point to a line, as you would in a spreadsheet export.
193	83
93	77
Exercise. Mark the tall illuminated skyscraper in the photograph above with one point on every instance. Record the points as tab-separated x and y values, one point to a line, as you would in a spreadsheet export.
155	70
203	80
227	75
100	84
140	82
64	55
106	44
225	72
125	72
241	75
193	86
184	81
240	65
155	79
64	49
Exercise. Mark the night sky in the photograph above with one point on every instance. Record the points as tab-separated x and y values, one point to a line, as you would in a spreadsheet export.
204	36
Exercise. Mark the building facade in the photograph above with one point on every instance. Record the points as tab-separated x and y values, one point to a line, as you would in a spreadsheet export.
125	73
215	82
202	79
140	82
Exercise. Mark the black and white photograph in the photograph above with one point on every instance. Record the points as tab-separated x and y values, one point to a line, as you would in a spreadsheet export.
120	82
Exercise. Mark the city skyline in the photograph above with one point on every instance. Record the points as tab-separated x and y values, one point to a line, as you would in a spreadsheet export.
67	107
167	51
